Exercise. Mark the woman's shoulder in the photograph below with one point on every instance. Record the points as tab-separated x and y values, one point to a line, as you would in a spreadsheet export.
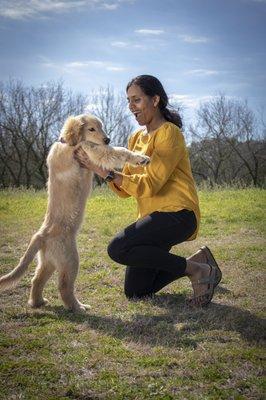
170	127
169	133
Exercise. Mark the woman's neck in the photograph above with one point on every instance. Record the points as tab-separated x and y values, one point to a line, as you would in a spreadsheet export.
155	123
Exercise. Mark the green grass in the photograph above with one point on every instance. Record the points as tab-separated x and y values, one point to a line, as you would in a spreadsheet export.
141	350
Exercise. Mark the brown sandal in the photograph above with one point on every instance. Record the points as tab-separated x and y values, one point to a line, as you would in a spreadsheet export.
204	299
211	260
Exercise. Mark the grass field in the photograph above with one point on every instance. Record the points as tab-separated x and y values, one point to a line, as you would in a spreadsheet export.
152	349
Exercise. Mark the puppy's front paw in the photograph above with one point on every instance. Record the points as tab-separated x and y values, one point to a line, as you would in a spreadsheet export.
143	160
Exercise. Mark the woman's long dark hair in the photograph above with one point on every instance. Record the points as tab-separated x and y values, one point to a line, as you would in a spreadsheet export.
151	86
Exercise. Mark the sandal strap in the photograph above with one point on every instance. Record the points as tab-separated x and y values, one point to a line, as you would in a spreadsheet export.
205	297
206	280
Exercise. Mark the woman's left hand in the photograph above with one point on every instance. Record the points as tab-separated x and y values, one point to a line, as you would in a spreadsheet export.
81	156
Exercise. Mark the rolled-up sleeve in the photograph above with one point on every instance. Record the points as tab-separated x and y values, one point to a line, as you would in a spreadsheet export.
169	149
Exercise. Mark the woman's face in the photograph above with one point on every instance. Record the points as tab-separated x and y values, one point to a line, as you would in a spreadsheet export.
142	106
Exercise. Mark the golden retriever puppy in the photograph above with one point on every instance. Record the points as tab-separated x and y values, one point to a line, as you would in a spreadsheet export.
68	188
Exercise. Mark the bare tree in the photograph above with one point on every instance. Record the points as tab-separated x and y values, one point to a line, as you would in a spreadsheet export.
247	140
227	142
209	152
30	120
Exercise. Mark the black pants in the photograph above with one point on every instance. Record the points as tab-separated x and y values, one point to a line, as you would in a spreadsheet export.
144	247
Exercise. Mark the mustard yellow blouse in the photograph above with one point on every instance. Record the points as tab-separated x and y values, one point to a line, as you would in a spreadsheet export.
166	183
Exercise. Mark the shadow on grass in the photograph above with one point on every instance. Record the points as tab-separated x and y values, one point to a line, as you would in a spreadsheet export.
222	290
179	327
216	316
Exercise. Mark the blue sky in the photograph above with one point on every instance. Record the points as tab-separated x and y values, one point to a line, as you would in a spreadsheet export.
197	48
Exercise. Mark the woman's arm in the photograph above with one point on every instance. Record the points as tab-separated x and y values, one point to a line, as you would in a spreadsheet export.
169	149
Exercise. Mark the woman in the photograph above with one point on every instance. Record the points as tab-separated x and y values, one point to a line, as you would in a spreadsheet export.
167	202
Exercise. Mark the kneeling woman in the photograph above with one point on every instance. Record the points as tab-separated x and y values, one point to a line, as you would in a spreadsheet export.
168	208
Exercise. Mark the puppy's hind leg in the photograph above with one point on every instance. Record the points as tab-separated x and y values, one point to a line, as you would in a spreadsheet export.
43	272
67	275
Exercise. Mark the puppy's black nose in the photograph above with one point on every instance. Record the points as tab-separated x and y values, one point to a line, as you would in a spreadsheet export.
106	140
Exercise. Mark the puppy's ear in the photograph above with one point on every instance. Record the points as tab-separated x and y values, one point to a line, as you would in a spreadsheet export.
71	130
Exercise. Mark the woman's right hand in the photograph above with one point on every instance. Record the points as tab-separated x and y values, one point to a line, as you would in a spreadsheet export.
84	161
82	158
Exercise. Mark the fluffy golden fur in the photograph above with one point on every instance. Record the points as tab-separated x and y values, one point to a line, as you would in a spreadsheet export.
68	188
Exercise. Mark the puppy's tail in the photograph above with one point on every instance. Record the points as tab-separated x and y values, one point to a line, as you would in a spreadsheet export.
9	280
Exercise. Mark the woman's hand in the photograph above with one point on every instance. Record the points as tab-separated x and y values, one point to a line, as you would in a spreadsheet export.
82	158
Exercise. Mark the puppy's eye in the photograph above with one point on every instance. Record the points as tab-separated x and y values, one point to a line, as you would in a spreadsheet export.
91	129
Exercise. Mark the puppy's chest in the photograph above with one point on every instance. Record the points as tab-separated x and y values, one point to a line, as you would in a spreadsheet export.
67	175
61	164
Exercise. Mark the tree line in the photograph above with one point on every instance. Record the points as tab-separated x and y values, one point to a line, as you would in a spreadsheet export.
226	143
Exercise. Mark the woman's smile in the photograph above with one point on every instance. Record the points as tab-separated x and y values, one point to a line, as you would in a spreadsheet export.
137	114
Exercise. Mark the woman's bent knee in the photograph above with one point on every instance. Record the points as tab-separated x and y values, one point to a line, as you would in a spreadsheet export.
115	250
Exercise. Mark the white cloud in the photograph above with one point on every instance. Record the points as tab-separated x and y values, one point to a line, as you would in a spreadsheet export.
85	64
202	72
150	31
189	101
109	7
120	44
115	69
34	8
194	39
72	66
127	45
26	9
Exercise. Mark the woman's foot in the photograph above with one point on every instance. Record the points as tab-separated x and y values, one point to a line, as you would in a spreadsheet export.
202	277
205	256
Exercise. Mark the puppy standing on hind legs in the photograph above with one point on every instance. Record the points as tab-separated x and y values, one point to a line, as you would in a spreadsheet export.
68	189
